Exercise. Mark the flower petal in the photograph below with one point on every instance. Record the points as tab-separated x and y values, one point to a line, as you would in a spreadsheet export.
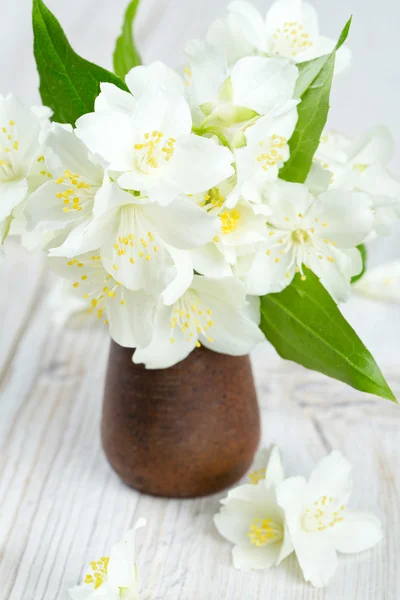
251	23
376	146
160	112
110	134
317	560
274	474
229	290
44	210
113	98
183	224
318	179
335	269
323	45
199	164
228	36
242	505
381	283
284	11
25	131
232	333
264	154
209	261
87	236
80	592
154	76
254	494
65	151
286	546
316	555
287	201
252	310
378	181
131	315
342	217
264	84
332	477
162	352
121	567
99	227
245	558
293	496
12	193
136	255
184	276
358	531
270	271
234	520
208	71
66	302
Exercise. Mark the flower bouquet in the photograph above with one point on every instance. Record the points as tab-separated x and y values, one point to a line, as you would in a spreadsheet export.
203	207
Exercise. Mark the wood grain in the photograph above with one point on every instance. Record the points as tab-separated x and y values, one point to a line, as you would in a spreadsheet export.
60	504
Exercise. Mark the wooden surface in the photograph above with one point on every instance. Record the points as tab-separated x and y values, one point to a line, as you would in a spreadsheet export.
60	504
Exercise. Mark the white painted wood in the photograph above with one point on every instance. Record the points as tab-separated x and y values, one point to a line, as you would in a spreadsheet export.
60	504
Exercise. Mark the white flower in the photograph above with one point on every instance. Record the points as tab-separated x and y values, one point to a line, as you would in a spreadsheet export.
141	242
381	283
154	149
213	313
319	522
268	465
44	114
253	521
265	152
67	199
318	231
240	230
228	36
20	131
256	86
66	303
129	314
114	577
140	80
290	29
362	166
252	107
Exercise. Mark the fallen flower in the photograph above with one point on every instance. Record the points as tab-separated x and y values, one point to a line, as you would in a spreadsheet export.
114	577
253	521
319	522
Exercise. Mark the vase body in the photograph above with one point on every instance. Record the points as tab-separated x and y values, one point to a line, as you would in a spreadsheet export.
187	431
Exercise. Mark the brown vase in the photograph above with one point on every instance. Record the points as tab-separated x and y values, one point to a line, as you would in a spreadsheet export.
190	430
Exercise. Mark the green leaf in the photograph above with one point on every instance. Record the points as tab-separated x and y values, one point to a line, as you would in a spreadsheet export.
69	84
364	256
126	56
305	326
313	87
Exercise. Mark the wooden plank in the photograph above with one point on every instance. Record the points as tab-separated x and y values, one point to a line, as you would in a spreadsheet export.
22	278
50	530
